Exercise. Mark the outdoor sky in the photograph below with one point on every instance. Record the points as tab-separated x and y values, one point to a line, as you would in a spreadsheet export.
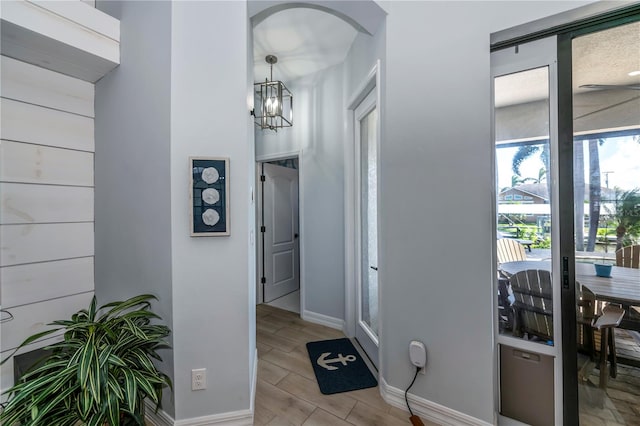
619	155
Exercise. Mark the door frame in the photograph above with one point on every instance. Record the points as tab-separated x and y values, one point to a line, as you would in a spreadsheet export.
372	81
532	55
259	249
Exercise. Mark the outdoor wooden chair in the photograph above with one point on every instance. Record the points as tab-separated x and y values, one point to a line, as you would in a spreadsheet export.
533	303
607	322
628	257
586	314
509	250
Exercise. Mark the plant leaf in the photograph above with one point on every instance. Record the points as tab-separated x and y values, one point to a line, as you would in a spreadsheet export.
131	389
57	399
113	408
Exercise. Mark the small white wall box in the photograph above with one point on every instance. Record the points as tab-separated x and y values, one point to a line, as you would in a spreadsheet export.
418	353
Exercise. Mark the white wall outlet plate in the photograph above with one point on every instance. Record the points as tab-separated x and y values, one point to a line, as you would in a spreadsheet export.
198	379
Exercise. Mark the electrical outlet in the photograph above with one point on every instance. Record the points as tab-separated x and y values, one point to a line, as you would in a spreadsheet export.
418	355
198	379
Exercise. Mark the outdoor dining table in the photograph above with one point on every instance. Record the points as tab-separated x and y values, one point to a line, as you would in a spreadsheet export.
622	287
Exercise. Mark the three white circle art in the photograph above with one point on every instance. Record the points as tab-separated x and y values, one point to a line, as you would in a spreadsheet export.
210	175
210	196
210	217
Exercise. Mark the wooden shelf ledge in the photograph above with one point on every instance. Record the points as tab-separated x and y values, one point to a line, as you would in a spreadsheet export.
70	37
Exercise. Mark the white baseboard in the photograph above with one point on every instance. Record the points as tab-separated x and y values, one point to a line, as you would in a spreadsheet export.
254	384
234	418
157	419
427	409
325	320
506	421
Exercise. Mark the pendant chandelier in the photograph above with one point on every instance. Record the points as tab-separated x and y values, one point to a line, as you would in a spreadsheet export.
274	102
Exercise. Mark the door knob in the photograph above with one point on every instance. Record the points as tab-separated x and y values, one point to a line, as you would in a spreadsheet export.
375	268
295	235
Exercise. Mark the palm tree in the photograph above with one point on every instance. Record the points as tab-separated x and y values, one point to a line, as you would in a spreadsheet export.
627	215
516	180
595	191
526	151
578	189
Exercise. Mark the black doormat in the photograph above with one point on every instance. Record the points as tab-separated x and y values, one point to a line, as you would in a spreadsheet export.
339	367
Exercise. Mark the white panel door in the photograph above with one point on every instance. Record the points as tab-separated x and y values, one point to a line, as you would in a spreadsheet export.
281	243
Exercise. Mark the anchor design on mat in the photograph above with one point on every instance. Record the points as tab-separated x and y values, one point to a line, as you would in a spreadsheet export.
324	362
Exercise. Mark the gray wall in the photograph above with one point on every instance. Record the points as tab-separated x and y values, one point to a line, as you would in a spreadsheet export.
212	290
323	197
362	56
318	133
435	165
132	175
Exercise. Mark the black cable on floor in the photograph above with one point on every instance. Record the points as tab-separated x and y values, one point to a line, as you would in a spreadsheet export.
407	390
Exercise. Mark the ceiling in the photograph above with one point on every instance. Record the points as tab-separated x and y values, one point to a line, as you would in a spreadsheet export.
304	40
603	58
309	40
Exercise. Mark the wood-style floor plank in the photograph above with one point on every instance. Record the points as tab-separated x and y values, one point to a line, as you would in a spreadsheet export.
297	334
283	404
275	341
288	394
261	414
321	418
323	333
279	421
294	361
338	404
263	348
365	415
372	398
270	373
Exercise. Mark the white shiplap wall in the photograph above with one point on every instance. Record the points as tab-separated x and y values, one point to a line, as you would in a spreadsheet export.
46	200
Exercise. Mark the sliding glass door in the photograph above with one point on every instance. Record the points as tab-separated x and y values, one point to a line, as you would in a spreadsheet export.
567	162
606	187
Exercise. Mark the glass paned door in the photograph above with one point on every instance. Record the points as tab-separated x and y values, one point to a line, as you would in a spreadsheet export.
369	221
523	240
606	187
366	123
528	286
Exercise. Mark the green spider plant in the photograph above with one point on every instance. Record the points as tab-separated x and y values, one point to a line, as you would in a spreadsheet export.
99	374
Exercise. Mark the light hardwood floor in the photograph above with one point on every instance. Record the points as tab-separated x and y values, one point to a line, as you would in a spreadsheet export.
287	392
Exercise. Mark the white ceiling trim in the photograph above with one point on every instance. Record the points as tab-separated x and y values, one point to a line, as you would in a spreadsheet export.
305	41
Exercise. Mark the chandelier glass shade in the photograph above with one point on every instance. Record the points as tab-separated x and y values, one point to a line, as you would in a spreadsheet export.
273	102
